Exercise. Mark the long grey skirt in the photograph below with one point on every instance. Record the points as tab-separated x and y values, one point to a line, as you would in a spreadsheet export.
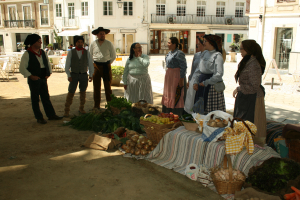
139	88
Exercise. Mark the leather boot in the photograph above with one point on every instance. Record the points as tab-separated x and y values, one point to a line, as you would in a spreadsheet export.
68	103
82	102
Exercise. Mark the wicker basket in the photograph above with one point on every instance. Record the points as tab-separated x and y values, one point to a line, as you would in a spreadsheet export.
155	126
157	134
294	150
142	107
227	187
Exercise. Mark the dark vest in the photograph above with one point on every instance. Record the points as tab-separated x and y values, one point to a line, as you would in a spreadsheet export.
34	65
79	65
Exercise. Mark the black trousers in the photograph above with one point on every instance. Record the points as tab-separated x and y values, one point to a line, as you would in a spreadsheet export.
39	88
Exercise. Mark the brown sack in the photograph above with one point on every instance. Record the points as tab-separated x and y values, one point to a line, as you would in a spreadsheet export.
101	143
249	193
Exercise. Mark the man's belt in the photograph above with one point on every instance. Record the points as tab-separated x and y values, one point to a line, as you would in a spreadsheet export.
102	63
79	73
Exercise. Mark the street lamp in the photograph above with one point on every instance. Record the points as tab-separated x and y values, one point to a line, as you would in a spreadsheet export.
120	3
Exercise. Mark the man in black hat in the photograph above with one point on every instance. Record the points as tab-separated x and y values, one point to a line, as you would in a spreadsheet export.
36	67
78	62
104	54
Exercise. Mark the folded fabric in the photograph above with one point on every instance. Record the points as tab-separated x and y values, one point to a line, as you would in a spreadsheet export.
238	137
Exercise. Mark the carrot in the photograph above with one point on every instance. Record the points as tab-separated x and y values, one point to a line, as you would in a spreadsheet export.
289	196
297	197
296	190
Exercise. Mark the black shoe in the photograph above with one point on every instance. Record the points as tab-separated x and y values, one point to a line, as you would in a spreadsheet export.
41	121
55	117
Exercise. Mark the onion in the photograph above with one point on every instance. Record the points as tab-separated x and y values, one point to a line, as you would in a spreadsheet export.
132	144
137	152
128	142
134	138
152	148
150	142
128	150
143	141
146	147
149	152
124	146
144	151
139	146
132	151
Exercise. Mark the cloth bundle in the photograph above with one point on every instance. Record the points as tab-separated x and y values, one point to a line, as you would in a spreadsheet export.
238	137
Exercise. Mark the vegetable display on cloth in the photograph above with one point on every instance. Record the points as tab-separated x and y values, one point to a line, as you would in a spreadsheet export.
274	176
138	145
162	118
239	136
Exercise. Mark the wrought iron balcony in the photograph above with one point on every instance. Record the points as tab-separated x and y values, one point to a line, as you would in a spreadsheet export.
194	19
19	23
67	22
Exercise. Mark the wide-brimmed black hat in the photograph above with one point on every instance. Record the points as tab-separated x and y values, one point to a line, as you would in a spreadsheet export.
78	37
96	31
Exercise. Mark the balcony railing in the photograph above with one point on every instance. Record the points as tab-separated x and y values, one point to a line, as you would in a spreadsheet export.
19	23
194	19
67	22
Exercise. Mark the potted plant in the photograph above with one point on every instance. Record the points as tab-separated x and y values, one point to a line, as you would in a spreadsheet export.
116	72
233	47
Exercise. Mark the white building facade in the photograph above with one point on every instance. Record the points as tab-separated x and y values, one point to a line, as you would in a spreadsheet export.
275	25
20	18
189	19
73	17
125	19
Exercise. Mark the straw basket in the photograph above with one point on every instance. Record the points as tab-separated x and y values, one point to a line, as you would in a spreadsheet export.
142	107
191	126
230	186
156	132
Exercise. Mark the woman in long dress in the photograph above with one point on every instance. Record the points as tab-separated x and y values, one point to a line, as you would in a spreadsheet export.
175	81
137	82
189	102
211	70
249	103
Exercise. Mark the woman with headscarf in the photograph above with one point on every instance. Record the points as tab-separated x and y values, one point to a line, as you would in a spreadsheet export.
36	67
137	82
175	82
189	102
249	103
211	70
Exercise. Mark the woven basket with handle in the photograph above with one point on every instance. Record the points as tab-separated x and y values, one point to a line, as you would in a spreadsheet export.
157	133
228	186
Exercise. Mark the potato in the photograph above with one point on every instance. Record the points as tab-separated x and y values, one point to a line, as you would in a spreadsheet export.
128	150
152	148
220	124
146	147
137	152
134	138
144	151
128	142
132	144
139	146
213	124
132	151
150	143
124	146
217	120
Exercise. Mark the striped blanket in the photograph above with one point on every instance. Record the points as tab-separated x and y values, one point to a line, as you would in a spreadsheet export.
181	147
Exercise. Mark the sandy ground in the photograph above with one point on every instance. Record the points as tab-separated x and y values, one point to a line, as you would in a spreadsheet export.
47	161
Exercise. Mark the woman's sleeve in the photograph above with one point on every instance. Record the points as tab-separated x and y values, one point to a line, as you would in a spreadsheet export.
144	60
181	62
126	71
254	77
218	71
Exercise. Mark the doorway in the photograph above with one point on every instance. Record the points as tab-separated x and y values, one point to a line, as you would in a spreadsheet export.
127	42
198	35
45	40
284	40
110	37
20	38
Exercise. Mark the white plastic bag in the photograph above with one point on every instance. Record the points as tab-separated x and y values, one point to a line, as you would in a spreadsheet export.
191	171
190	98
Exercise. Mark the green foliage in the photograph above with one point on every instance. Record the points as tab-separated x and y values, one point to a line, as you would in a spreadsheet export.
274	174
117	71
58	39
50	45
118	102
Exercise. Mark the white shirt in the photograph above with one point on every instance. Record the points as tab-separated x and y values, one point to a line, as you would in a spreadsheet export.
105	53
24	64
79	53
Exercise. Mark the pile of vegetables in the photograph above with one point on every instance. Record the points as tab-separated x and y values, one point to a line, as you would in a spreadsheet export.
293	196
274	174
138	145
118	102
105	122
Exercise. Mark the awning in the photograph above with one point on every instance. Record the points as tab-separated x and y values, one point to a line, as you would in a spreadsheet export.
73	32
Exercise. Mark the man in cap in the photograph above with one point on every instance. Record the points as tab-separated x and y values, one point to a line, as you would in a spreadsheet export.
36	67
78	62
104	54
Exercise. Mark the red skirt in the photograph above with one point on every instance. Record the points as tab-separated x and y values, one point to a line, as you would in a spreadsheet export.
172	78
